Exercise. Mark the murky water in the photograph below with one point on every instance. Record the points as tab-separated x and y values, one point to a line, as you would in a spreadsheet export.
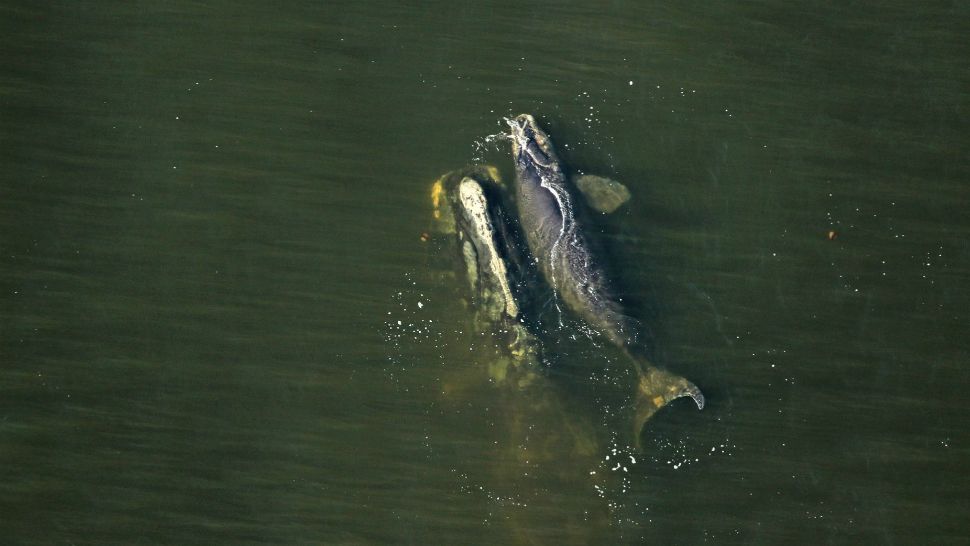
211	226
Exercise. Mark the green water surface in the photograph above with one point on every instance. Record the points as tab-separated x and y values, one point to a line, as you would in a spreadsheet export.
210	226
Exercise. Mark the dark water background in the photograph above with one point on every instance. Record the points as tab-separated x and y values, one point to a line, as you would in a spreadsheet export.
209	227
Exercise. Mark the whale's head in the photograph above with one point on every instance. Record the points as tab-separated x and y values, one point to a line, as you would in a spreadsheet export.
541	195
531	147
540	185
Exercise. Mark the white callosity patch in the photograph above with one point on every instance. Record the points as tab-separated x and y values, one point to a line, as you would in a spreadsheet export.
473	201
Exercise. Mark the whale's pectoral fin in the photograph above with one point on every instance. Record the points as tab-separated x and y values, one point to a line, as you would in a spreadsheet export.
656	389
602	194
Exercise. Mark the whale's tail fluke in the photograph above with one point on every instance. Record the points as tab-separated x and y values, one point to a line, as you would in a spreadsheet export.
657	388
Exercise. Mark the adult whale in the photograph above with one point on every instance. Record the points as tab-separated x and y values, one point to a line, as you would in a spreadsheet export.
546	214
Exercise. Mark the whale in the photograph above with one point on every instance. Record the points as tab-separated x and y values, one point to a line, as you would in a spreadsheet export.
547	211
468	208
541	440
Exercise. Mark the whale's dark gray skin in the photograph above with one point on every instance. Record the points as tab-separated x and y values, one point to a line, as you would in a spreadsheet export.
547	216
554	237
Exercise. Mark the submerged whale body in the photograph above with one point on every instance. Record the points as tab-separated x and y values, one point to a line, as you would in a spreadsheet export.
546	211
